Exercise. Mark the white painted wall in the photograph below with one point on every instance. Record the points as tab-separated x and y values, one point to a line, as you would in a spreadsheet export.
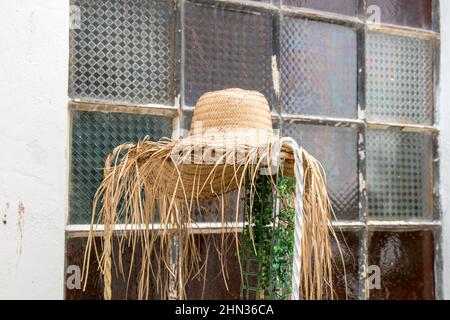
33	145
445	140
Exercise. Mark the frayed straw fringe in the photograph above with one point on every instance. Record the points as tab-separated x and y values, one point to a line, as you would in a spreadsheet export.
143	186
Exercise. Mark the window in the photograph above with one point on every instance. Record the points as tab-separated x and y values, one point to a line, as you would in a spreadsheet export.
353	81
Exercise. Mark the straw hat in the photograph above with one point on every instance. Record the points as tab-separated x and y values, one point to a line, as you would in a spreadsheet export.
228	127
229	145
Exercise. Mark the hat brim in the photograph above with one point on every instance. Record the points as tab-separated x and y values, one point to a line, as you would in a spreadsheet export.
183	170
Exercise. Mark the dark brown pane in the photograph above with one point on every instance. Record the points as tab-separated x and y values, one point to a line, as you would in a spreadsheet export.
347	7
346	282
409	13
226	48
406	264
75	248
336	149
212	286
318	69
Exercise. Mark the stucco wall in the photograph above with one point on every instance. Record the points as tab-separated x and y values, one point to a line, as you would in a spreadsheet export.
33	146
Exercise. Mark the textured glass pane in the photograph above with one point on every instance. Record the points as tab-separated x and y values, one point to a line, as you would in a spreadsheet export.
94	136
399	174
123	51
347	7
213	286
318	69
406	262
349	246
226	49
409	13
399	79
336	149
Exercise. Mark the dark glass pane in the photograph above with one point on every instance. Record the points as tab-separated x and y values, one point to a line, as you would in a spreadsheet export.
74	257
399	175
399	86
406	264
346	282
75	248
336	149
347	7
226	49
94	136
213	286
318	69
122	51
409	13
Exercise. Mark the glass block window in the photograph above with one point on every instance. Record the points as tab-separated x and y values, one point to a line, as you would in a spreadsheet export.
406	262
417	13
356	95
340	163
229	49
123	51
398	173
399	79
347	7
94	136
318	69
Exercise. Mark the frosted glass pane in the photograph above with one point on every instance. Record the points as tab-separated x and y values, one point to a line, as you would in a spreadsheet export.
399	85
399	174
123	51
318	69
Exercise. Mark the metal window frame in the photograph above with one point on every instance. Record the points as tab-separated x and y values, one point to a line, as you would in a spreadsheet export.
364	226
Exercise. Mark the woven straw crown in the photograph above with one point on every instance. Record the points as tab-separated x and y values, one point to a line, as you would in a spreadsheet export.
235	113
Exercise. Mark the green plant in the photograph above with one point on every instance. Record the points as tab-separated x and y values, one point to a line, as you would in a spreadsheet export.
283	242
267	241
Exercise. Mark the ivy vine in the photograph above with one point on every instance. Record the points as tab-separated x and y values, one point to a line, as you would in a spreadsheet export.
270	242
